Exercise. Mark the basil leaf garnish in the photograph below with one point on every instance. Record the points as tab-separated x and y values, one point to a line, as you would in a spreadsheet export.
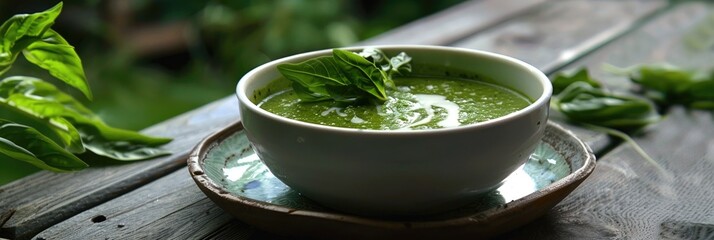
361	73
311	77
345	76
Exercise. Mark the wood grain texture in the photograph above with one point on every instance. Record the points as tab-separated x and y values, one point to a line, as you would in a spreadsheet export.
627	197
38	201
171	207
455	23
562	31
674	37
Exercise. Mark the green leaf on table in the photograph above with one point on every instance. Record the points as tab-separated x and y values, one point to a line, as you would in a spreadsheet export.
24	143
702	94
584	103
21	30
345	76
669	84
44	101
563	80
120	144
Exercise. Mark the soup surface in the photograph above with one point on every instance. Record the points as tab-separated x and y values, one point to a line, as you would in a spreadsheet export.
417	103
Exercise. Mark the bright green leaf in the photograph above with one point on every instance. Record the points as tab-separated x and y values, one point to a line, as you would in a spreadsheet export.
361	73
54	54
42	99
21	30
377	57
702	94
23	143
58	131
667	79
310	77
119	144
583	103
345	76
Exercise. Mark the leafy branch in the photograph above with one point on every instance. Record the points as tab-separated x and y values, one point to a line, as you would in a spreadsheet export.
44	126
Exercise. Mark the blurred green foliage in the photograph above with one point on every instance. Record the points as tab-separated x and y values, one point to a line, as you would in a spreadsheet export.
221	41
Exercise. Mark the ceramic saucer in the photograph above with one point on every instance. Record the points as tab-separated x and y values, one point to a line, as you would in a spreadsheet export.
228	171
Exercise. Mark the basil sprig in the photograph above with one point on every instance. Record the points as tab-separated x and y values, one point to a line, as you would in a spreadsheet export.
44	126
584	100
668	84
345	76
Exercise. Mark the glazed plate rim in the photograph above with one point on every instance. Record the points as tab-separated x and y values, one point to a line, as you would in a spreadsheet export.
214	191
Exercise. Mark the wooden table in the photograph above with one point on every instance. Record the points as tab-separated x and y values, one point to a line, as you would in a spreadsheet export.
625	197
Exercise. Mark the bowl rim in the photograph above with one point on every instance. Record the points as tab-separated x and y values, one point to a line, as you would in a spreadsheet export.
541	101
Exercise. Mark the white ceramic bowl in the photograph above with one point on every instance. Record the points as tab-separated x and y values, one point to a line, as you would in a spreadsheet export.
401	172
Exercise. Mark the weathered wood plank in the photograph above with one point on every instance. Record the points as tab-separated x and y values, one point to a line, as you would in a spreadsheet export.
171	207
562	31
679	37
626	196
455	23
36	202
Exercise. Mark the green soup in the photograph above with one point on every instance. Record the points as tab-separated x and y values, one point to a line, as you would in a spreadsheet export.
417	103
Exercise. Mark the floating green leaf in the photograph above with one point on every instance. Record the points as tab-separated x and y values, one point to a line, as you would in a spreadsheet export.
345	76
362	73
26	144
311	78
